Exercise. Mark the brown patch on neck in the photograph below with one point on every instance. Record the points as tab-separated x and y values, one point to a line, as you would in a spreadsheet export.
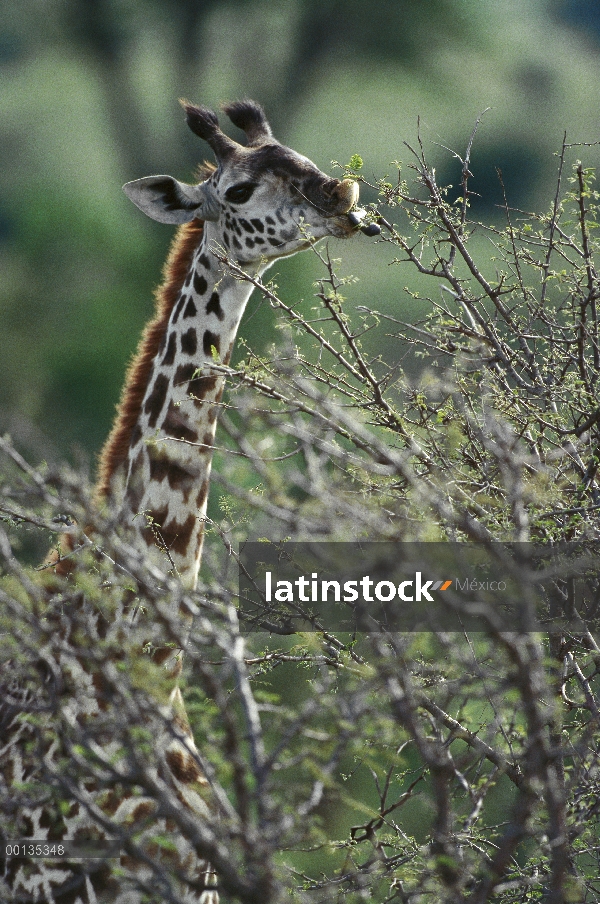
115	450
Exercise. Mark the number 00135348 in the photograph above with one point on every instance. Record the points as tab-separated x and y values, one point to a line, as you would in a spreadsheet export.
62	850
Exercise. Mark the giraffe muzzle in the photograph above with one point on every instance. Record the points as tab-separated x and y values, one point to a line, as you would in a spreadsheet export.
357	216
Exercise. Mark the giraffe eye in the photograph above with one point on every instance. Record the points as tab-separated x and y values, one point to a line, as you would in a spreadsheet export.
240	193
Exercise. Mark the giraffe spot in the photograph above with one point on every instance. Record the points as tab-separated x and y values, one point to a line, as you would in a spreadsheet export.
155	401
133	501
159	464
136	435
246	225
45	822
189	342
249	243
184	373
183	767
201	386
182	479
171	349
280	216
269	220
258	224
204	261
200	284
138	462
157	516
214	306
176	537
270	231
191	310
274	242
179	308
157	532
179	477
102	691
210	341
207	440
175	425
202	495
236	244
143	810
226	239
110	804
135	484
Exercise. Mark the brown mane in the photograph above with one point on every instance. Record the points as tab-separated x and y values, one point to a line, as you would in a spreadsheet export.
176	269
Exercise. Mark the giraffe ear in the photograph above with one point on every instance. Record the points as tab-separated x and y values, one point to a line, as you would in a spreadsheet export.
165	199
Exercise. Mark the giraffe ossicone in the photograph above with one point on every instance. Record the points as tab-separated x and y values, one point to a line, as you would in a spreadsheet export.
261	202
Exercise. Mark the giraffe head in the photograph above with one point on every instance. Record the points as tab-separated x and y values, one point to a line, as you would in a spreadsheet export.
265	200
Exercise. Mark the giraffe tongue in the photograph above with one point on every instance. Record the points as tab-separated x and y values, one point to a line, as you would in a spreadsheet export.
356	217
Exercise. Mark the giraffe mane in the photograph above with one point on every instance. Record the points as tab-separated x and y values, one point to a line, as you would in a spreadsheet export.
114	453
204	170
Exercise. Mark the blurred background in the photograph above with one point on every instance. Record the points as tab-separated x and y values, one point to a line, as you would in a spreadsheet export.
88	101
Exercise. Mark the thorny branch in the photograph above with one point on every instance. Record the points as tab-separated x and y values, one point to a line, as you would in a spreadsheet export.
420	767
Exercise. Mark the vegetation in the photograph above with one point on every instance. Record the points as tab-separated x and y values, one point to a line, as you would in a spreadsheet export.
393	767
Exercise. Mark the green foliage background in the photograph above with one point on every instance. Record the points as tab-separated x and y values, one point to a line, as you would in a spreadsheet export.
88	100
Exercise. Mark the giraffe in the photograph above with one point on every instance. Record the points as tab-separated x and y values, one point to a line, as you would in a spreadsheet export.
261	202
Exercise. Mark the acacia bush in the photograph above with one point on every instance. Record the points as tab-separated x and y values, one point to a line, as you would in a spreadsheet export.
437	767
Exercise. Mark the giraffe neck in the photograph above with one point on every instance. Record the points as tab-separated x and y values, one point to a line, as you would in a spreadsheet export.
161	482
